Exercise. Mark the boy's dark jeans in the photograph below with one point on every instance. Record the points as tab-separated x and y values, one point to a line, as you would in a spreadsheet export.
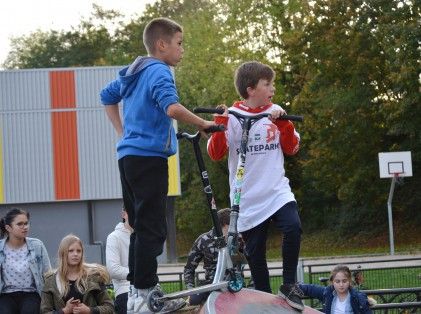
20	302
144	182
287	220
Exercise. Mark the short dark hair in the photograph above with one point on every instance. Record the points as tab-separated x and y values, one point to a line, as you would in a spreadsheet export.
249	73
159	28
224	216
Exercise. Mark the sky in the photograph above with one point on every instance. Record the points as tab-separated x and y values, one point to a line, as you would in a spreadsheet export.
22	17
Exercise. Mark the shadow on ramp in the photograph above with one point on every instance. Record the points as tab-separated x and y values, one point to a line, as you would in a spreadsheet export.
248	301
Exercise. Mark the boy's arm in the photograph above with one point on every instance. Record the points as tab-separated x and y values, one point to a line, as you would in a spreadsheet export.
193	260
290	139
113	114
180	113
217	144
110	97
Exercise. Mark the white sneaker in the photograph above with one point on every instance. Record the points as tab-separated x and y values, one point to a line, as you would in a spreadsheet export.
130	300
141	302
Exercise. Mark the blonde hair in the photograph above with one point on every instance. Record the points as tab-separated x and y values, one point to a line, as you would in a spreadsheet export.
83	269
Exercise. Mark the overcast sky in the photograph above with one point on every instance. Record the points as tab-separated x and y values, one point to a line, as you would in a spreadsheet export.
21	17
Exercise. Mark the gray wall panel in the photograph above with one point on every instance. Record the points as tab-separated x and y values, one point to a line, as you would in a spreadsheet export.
89	83
27	157
50	222
24	90
98	167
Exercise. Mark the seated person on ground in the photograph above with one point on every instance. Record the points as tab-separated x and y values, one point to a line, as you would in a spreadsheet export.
76	287
204	249
339	296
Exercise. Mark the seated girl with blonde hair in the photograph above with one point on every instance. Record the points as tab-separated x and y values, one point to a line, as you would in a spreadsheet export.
76	286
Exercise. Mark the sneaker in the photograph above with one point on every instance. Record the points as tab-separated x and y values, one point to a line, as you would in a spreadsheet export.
292	295
141	302
171	306
130	300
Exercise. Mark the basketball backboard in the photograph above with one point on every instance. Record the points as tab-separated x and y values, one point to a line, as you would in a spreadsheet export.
395	163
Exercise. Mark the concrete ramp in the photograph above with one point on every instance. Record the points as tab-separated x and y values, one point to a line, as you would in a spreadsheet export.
248	301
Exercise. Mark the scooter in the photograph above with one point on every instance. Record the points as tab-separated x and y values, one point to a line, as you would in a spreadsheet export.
228	274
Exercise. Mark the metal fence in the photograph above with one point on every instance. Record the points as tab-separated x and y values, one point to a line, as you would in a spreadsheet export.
389	276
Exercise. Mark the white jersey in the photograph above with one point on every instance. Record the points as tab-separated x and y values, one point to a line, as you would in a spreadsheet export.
265	188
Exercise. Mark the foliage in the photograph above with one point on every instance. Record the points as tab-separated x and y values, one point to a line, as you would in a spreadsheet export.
343	55
351	67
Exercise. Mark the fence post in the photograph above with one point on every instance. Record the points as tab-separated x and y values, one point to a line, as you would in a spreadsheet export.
300	271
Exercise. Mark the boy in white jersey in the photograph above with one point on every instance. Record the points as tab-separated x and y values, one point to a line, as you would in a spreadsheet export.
266	195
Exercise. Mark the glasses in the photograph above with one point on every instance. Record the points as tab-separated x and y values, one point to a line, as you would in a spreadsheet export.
23	224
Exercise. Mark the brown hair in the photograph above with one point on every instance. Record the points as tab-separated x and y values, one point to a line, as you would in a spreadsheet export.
84	269
159	28
224	216
341	269
248	74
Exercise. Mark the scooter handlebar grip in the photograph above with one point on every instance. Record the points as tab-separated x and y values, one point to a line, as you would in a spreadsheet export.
208	110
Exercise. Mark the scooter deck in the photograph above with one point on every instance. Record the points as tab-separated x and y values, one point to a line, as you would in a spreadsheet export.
248	301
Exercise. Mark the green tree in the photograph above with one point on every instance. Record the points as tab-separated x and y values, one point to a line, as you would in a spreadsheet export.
345	78
351	67
88	44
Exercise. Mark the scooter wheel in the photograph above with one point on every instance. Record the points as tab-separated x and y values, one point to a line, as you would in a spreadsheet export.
236	284
154	304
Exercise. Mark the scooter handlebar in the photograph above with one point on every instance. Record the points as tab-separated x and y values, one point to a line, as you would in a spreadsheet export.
291	118
221	111
212	129
216	128
208	110
262	115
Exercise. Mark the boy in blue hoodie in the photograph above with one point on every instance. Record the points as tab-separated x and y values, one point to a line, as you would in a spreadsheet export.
150	102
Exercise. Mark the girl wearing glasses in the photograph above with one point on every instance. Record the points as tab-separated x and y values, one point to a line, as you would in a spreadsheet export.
23	261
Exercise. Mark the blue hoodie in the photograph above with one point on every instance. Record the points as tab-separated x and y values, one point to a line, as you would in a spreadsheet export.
147	89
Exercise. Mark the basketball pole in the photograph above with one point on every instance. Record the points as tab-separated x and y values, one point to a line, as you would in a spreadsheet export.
389	212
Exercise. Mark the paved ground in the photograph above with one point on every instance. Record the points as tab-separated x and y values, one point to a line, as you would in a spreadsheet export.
366	262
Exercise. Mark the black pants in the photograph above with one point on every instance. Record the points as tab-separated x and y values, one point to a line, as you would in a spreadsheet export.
287	221
20	303
120	303
144	182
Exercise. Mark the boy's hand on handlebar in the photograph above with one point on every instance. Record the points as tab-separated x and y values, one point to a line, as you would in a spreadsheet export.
222	106
206	125
275	114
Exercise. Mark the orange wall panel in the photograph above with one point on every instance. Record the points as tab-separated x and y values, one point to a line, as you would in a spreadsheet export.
62	89
64	129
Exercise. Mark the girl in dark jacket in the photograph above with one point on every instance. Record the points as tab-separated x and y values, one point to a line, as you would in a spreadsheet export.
75	287
339	297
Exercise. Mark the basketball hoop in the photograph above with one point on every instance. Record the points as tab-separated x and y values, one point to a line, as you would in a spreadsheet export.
395	165
398	176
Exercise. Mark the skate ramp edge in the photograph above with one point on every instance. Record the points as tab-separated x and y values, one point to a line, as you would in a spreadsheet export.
248	301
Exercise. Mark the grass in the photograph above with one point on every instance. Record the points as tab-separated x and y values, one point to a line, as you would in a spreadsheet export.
325	243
